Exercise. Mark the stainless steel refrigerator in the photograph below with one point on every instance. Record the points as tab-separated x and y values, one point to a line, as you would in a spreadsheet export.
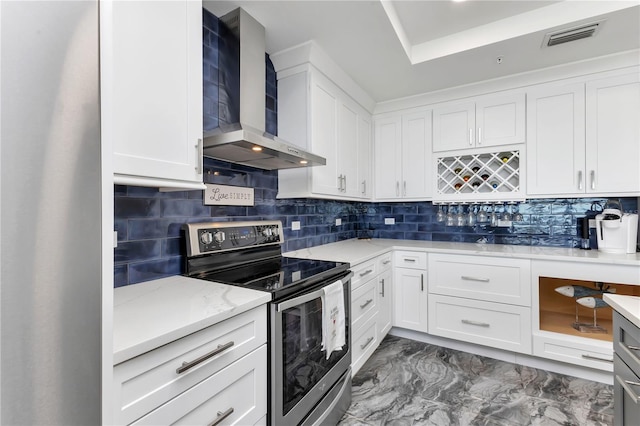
50	213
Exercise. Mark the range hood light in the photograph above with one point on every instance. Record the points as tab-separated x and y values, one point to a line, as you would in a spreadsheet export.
303	161
257	148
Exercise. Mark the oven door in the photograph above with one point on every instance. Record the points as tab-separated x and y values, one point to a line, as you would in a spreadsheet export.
300	372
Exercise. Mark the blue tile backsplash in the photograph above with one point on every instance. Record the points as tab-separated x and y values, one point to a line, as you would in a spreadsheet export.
148	222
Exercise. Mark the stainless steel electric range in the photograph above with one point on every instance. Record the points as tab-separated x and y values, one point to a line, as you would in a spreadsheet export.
304	386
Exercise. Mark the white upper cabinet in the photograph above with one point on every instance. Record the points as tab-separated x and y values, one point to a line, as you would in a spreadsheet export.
151	78
555	139
317	115
613	135
485	121
584	138
402	156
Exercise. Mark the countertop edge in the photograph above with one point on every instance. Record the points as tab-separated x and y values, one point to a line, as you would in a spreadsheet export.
625	305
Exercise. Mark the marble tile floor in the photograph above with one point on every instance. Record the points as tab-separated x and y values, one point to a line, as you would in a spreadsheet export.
413	383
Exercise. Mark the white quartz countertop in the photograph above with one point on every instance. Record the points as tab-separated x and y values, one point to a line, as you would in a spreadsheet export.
627	306
357	251
154	313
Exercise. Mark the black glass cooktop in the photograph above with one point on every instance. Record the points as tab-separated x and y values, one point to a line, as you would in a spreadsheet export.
282	275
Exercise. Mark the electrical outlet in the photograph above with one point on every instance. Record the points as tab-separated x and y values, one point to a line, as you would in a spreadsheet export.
295	225
389	221
338	222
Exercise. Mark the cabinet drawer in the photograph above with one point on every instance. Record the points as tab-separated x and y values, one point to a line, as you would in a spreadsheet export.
626	341
364	303
239	390
484	278
384	262
574	350
485	323
365	341
410	259
626	394
150	380
363	272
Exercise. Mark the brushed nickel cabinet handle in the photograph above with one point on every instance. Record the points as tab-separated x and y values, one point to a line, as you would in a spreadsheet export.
190	364
397	188
221	416
626	385
633	348
364	186
366	304
479	135
595	358
421	282
367	272
409	260
470	137
386	262
344	189
369	340
468	278
580	180
199	157
479	324
404	192
593	180
382	292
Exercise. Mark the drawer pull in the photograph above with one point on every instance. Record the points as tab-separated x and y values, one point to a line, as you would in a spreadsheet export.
468	278
382	292
365	344
626	385
479	324
188	365
633	348
421	282
386	262
367	272
409	260
595	358
366	304
221	416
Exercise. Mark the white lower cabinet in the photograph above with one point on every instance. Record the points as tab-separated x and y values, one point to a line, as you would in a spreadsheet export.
497	325
410	291
574	350
370	307
234	395
191	379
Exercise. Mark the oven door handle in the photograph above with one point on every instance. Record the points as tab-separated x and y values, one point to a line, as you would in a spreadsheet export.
304	298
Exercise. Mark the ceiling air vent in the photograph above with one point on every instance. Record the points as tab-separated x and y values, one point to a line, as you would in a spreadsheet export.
571	34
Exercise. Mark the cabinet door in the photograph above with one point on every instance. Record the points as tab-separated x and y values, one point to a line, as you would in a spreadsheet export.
324	133
410	299
454	127
500	119
347	149
388	157
385	303
151	76
365	148
613	135
555	139
416	155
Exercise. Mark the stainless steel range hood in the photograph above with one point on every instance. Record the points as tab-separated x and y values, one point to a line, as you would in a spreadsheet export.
245	140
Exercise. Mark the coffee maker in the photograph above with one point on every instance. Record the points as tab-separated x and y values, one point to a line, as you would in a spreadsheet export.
617	231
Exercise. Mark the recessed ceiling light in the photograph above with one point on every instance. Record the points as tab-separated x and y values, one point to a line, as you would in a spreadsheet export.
257	148
458	1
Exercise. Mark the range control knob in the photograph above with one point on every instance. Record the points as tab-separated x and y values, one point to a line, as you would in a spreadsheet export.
219	236
267	232
206	237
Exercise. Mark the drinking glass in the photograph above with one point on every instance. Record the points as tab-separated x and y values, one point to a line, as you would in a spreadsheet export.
482	215
506	213
450	218
493	216
471	217
440	216
517	216
461	218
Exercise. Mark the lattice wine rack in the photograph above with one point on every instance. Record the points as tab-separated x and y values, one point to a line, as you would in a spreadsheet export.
487	176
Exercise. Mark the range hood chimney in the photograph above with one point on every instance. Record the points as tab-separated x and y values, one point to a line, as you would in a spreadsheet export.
244	140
